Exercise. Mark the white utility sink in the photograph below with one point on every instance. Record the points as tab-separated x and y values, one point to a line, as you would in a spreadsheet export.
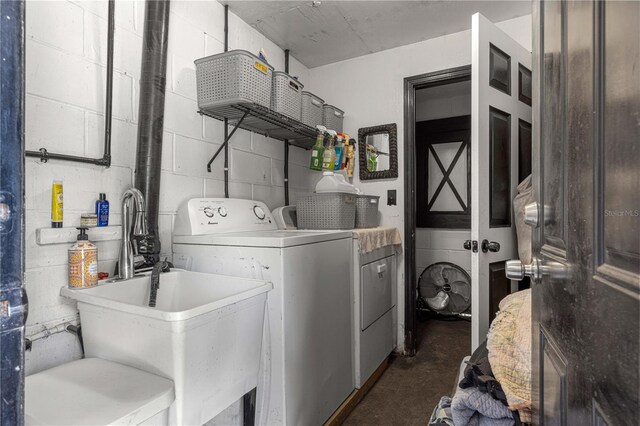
205	334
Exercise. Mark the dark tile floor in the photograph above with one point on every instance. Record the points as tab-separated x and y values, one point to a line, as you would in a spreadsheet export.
411	387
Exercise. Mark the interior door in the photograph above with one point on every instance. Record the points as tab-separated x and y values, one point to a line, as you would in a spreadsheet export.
586	255
500	105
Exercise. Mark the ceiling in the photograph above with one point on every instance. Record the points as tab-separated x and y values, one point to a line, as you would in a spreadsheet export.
327	31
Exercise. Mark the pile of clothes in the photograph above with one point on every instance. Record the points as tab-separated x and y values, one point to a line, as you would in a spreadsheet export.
496	387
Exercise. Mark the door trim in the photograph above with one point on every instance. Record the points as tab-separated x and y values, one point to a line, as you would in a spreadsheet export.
411	84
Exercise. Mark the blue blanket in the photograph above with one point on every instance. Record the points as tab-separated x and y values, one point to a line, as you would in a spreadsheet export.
471	407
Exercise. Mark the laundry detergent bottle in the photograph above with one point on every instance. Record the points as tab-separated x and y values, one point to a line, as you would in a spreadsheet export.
83	262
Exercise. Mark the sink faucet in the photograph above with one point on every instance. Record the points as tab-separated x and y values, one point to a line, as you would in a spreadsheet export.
161	266
125	264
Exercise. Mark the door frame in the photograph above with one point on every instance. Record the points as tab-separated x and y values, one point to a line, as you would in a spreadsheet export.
411	84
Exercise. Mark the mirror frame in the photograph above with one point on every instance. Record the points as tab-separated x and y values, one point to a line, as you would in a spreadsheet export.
392	172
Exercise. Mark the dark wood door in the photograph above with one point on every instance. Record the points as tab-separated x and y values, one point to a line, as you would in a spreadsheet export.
586	291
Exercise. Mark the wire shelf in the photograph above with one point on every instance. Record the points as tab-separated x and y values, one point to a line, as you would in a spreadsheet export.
266	122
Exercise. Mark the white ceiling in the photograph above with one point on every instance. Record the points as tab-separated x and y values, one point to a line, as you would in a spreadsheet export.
336	30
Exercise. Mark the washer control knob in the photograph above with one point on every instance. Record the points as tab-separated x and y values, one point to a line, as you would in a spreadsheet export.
208	211
259	212
222	211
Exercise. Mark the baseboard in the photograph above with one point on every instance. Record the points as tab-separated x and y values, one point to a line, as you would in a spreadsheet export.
348	405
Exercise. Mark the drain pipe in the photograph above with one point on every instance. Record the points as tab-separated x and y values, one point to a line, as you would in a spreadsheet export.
44	155
226	121
151	121
13	299
286	143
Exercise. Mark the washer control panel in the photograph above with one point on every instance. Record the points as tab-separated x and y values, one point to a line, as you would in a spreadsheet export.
200	216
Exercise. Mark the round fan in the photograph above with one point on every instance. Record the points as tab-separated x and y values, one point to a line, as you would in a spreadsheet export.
445	288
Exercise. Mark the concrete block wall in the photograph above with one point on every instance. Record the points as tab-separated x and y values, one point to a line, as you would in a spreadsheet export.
65	83
441	245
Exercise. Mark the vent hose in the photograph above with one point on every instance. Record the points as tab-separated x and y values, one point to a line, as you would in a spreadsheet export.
151	121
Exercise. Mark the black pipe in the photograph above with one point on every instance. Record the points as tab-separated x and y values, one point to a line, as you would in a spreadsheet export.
286	143
153	78
286	173
226	121
106	156
44	155
13	301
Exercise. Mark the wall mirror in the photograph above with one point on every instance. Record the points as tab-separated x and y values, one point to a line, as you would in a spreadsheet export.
378	146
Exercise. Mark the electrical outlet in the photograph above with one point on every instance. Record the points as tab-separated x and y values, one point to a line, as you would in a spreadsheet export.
391	197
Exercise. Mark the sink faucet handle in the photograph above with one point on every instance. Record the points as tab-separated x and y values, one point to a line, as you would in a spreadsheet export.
166	265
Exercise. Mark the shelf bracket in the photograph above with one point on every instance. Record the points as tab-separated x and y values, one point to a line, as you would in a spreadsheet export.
226	141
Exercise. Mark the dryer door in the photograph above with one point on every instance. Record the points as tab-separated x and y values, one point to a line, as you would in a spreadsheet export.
376	288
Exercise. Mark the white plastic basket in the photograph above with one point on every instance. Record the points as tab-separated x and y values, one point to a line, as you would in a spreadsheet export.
233	77
367	211
286	97
332	117
330	210
311	109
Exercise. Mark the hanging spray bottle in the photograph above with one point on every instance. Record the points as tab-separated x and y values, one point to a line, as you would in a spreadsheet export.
318	149
329	155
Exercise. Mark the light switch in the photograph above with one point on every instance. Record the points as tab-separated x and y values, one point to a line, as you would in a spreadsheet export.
391	197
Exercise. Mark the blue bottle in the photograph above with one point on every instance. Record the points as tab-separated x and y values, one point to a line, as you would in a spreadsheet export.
102	210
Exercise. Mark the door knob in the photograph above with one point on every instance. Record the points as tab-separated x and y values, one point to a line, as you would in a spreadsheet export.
516	270
491	246
532	214
471	245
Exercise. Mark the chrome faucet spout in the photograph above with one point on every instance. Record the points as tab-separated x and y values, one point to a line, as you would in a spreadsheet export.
138	228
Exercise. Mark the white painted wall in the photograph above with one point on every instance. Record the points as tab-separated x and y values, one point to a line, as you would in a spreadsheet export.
370	91
442	245
451	100
65	75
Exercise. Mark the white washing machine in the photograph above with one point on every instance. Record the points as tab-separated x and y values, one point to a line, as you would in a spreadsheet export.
307	368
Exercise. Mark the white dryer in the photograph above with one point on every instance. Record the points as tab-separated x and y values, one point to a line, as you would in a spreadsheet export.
307	368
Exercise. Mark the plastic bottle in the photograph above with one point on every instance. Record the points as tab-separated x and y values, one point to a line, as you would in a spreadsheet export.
339	151
345	152
329	155
350	158
56	204
332	182
83	262
318	150
102	210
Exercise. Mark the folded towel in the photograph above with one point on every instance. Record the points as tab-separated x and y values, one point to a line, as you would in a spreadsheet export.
370	239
